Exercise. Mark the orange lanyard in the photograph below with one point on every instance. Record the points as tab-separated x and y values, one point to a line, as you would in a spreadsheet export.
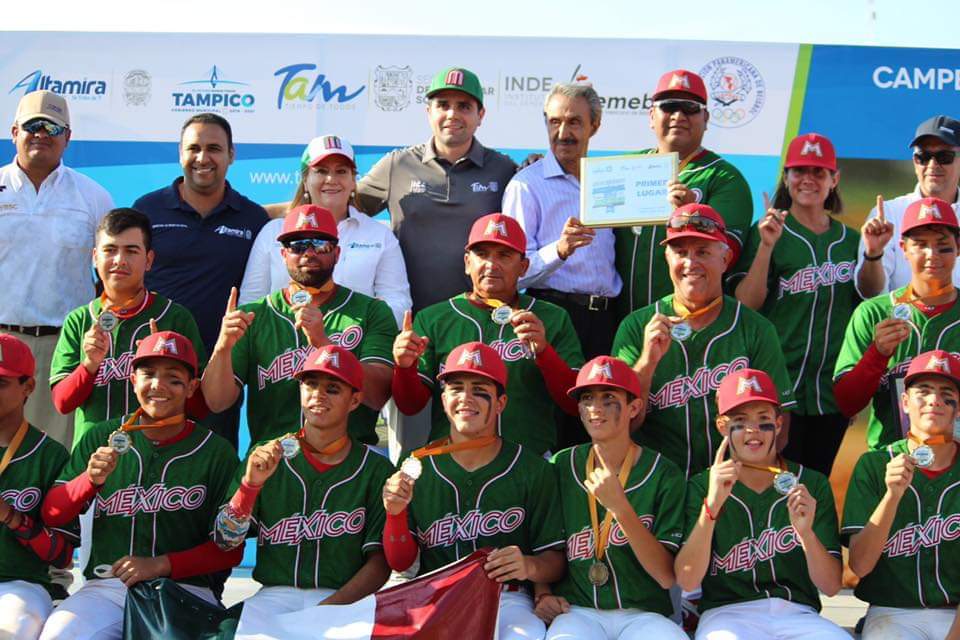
774	470
166	422
14	445
333	448
443	445
686	161
934	440
910	297
686	314
118	309
601	533
314	291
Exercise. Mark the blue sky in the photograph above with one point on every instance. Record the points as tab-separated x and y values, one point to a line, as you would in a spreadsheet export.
915	23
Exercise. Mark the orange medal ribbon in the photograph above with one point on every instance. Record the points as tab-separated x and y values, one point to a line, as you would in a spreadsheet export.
443	445
909	296
686	161
601	533
934	440
334	447
14	445
118	309
314	291
774	470
686	314
166	422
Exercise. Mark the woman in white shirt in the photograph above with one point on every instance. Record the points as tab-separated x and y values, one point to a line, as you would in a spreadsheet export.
370	259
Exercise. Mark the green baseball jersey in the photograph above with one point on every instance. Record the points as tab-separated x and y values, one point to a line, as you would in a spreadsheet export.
314	528
640	258
512	500
112	394
917	567
159	498
273	350
531	416
681	407
755	552
810	297
885	424
655	489
23	485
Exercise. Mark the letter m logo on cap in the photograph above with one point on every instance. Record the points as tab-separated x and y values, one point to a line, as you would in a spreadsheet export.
166	346
306	220
938	364
679	80
328	357
748	383
811	147
455	77
498	228
332	142
601	372
929	211
472	357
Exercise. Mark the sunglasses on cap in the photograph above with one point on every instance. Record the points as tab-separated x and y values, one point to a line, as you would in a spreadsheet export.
943	157
696	222
53	130
688	107
319	245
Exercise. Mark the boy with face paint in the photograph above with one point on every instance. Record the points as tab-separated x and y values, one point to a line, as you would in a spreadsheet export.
154	480
901	512
761	531
887	331
474	489
628	496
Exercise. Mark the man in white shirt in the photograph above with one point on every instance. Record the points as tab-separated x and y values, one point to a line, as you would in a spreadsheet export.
48	215
882	265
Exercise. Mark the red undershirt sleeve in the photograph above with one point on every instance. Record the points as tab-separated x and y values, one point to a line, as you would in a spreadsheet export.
559	378
73	391
855	389
196	406
409	392
48	545
203	559
399	547
64	502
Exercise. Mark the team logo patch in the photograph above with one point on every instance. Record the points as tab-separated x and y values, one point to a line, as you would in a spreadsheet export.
679	81
332	142
455	77
748	383
601	372
937	364
929	211
496	228
328	358
811	148
737	91
306	220
166	347
470	357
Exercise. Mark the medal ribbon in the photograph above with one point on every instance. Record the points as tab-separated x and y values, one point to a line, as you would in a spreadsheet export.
934	440
166	422
118	309
601	534
14	445
686	314
314	291
774	470
334	447
443	445
496	304
909	296
683	163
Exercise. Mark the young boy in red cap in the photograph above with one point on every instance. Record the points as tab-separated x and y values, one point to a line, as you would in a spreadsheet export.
475	489
320	477
155	481
902	511
29	464
628	497
761	531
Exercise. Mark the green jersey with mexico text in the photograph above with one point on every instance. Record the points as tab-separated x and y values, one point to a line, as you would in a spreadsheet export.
920	562
885	423
655	489
681	407
273	350
112	394
24	484
530	418
810	298
755	552
640	258
314	528
512	500
160	498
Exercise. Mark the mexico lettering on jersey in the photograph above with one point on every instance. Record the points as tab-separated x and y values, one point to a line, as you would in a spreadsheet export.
112	393
470	526
703	382
135	500
580	545
809	279
745	555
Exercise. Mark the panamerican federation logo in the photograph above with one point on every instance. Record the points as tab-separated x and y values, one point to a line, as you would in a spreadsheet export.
737	91
392	87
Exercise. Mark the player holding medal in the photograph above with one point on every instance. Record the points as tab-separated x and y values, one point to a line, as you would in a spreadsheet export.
623	514
152	505
899	515
515	325
761	532
474	489
334	480
887	331
684	343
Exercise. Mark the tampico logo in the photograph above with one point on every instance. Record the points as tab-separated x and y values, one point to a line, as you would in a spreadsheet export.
136	88
392	87
737	91
213	93
301	89
75	89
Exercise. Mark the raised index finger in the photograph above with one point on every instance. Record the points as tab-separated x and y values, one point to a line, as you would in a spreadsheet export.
154	327
722	450
880	215
408	320
766	202
232	301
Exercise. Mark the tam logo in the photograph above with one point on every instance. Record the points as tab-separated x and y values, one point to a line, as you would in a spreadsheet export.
298	85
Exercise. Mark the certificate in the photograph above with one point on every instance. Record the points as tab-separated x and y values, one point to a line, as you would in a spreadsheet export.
629	190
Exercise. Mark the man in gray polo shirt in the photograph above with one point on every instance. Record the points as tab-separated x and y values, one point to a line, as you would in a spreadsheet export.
435	190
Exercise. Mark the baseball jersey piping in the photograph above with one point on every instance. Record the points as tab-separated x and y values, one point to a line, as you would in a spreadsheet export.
163	475
826	330
753	569
936	550
303	509
813	313
323	505
456	497
706	398
773	557
139	483
36	446
296	338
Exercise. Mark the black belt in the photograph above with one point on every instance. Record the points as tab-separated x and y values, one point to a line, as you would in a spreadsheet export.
36	332
591	302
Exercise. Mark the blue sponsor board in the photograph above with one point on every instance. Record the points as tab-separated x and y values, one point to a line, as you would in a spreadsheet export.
868	100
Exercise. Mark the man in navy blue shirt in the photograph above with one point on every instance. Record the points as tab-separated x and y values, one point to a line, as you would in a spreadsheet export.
202	234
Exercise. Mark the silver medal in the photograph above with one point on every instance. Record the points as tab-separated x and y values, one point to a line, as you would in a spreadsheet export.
290	446
923	456
120	441
681	331
902	311
412	468
107	320
501	315
784	482
103	571
301	297
598	574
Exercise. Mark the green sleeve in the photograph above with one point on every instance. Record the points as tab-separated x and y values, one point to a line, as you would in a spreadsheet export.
241	355
742	266
768	356
376	516
565	341
668	526
825	524
69	350
628	343
428	365
730	196
373	190
696	492
546	517
92	440
379	331
864	492
856	339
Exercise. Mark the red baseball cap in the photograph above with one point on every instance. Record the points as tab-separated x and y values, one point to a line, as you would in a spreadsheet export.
16	359
167	344
681	81
811	150
605	371
498	228
334	361
934	363
696	221
478	359
308	221
927	212
743	386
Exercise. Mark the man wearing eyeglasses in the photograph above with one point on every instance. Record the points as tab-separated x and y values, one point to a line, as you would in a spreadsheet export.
264	344
882	265
679	119
48	214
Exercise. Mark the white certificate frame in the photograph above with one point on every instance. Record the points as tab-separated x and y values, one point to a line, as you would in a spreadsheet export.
626	190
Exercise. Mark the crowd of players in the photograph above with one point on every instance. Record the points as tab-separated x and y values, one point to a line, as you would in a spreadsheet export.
640	422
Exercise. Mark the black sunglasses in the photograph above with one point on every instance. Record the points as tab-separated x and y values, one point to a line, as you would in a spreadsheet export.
320	245
688	107
943	157
698	222
53	130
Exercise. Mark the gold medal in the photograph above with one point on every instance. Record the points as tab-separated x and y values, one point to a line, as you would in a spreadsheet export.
598	574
